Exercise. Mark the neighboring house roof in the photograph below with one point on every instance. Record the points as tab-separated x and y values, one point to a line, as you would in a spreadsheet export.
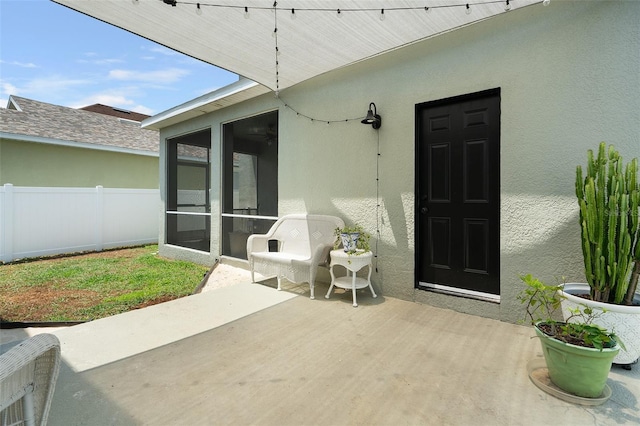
116	112
28	120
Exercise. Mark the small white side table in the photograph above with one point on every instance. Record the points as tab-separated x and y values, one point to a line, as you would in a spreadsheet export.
353	263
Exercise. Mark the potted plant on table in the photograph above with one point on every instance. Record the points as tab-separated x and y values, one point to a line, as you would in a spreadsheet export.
354	239
609	199
578	353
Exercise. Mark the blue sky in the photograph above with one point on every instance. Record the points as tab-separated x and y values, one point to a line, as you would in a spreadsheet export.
53	54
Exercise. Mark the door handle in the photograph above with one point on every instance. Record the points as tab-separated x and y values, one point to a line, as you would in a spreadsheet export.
424	210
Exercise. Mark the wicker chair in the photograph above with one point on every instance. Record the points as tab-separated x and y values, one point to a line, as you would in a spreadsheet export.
28	373
304	242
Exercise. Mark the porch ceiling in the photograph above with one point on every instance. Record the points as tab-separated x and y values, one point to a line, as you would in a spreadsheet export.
315	42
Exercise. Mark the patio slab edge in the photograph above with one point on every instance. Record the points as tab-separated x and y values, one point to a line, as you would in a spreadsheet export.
100	342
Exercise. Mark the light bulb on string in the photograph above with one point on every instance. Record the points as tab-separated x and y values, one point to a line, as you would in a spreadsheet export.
275	32
507	7
277	51
198	9
382	14
246	12
468	11
427	10
293	14
339	13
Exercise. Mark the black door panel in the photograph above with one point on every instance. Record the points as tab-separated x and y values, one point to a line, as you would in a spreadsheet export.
458	184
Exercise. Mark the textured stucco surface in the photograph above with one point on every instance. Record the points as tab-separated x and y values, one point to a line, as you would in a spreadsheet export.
569	78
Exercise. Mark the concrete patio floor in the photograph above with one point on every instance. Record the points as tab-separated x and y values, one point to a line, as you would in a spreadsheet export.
248	354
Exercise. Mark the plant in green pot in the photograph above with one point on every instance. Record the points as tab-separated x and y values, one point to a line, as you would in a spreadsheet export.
609	199
578	353
354	239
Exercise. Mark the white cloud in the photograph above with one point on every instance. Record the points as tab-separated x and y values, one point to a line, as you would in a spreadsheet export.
20	64
143	110
106	61
3	103
170	75
163	50
8	89
51	84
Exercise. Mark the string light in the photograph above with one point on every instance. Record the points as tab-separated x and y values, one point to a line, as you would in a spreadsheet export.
319	120
275	35
340	12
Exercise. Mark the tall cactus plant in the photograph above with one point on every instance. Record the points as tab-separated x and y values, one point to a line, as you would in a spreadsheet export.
609	198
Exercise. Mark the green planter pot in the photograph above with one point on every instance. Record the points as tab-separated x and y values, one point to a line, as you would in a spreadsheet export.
575	369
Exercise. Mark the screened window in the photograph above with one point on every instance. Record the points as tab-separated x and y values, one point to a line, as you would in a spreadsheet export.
250	181
188	183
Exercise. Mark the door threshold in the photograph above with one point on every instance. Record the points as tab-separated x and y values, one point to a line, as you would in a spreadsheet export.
460	292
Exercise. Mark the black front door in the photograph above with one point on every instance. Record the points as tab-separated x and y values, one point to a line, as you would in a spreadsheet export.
458	193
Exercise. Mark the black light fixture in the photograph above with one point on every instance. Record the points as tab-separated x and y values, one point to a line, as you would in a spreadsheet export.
372	117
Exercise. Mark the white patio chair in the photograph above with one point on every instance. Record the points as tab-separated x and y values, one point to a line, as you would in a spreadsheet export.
28	373
304	242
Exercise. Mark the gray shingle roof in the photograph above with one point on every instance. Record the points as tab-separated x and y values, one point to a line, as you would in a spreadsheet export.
43	120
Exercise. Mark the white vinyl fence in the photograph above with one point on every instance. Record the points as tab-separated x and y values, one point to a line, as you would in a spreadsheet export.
43	221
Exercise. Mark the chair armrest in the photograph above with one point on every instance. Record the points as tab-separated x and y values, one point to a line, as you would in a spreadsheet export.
257	243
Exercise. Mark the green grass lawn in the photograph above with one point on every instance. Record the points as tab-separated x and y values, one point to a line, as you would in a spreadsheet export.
94	285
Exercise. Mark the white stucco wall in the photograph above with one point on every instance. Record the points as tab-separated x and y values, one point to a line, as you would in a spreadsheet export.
569	78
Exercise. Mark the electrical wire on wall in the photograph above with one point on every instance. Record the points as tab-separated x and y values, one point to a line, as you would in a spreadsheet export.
375	255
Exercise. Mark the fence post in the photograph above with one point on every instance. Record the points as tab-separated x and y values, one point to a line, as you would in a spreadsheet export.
99	218
6	233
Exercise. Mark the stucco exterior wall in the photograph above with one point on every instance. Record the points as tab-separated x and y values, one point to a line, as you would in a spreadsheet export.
37	164
569	78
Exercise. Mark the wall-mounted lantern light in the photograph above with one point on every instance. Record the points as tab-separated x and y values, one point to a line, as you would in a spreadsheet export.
372	117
